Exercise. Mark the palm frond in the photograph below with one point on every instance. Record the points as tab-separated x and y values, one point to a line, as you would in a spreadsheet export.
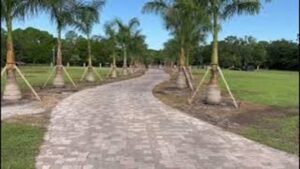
241	7
155	6
87	14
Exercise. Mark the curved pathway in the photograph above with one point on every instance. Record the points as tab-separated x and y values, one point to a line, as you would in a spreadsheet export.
123	126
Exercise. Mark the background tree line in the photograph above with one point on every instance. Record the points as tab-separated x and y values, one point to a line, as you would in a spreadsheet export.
36	46
33	46
242	53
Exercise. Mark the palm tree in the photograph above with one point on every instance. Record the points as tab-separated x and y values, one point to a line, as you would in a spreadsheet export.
87	15
112	40
136	48
221	10
124	35
62	13
11	10
183	23
171	48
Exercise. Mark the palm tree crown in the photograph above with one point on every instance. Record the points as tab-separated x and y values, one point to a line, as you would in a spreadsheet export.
87	15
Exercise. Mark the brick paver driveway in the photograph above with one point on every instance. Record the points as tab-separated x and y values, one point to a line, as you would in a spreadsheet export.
123	126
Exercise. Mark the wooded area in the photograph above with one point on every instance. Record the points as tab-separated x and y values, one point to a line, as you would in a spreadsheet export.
36	47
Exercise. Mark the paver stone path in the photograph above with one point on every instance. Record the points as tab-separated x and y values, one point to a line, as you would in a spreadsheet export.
123	126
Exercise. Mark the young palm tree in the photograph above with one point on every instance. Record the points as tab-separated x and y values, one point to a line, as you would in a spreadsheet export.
136	47
112	40
87	15
171	48
62	13
124	35
183	23
218	10
11	10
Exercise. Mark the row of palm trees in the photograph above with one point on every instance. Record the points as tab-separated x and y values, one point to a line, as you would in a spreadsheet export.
81	15
189	21
127	38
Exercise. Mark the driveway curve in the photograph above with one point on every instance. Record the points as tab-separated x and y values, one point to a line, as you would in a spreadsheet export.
123	126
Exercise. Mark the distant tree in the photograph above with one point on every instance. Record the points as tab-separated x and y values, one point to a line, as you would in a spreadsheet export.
185	23
62	13
170	51
75	59
283	54
154	57
111	41
137	48
70	50
87	15
229	55
71	37
259	54
124	37
33	45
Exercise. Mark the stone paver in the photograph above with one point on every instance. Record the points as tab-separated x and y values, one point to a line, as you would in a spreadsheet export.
123	126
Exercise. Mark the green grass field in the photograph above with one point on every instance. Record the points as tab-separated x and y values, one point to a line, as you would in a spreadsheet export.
278	89
37	75
280	133
274	88
19	145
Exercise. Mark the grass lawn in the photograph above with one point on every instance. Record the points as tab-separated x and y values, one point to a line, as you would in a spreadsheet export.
280	133
19	145
278	89
37	75
274	88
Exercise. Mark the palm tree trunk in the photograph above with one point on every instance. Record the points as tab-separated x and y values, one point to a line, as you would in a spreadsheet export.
213	95
58	79
89	51
124	61
11	90
188	67
90	76
114	71
187	57
181	79
131	65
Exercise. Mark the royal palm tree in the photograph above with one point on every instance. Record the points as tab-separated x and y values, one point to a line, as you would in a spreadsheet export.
111	34
183	23
88	15
125	32
136	48
10	10
171	48
222	10
62	13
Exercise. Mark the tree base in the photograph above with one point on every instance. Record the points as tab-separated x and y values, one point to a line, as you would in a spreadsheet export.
114	73
131	70
11	91
58	81
125	71
181	80
213	95
90	76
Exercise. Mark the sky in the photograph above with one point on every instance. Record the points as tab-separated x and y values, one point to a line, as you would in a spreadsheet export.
278	19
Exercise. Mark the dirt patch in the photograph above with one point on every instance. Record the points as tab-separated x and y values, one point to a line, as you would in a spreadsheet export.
224	115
